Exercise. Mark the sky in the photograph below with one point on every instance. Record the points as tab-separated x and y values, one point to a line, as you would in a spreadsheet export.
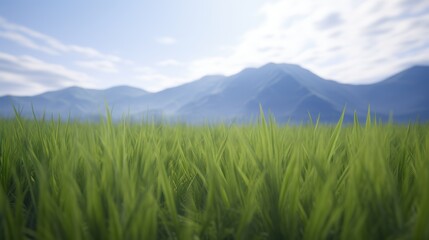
47	45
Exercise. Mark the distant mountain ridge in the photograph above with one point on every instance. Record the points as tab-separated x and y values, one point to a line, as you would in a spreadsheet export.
287	91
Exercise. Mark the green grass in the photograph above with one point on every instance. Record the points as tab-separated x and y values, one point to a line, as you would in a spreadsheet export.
70	180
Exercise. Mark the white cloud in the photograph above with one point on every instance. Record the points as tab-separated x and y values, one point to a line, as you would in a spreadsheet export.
154	81
166	40
37	75
34	75
26	42
350	41
47	44
29	63
104	66
30	75
169	63
18	85
11	77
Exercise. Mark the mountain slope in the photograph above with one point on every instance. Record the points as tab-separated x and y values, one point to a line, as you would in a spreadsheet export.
287	91
74	101
405	93
167	102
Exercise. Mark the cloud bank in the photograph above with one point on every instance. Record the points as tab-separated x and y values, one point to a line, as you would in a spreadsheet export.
76	65
166	40
25	73
350	41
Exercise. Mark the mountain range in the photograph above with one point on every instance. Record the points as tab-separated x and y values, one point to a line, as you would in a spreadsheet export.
288	92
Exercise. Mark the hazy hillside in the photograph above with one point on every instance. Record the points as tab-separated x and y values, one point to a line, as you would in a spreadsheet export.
287	91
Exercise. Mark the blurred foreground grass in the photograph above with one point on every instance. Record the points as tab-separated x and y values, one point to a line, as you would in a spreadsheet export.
124	180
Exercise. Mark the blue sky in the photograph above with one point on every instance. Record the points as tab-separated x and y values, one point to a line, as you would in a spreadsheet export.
47	45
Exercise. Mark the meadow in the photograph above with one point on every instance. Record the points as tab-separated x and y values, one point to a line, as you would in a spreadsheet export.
124	180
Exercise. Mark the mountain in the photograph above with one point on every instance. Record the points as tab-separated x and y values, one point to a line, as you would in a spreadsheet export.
76	102
168	101
405	94
287	91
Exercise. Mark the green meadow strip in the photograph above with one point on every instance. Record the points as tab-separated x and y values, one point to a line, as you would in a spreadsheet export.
151	180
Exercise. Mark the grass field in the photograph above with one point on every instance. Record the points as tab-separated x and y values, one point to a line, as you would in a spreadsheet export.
125	180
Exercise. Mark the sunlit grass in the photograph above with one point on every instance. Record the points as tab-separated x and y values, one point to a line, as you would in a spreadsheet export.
70	180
